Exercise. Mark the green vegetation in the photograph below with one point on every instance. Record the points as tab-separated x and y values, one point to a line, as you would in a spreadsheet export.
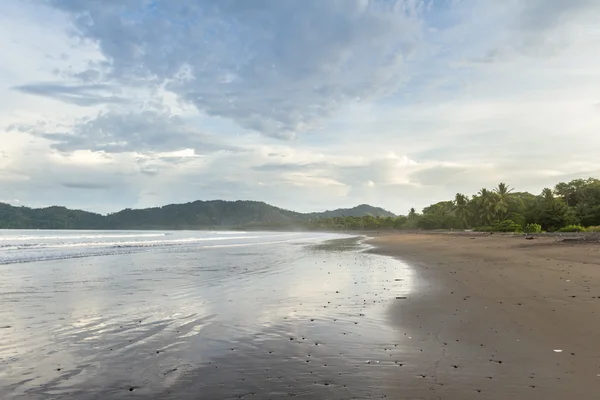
532	228
569	207
572	228
366	222
217	214
47	218
507	226
358	211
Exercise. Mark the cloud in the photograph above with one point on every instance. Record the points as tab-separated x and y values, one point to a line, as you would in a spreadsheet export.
85	185
276	67
81	95
539	16
546	27
279	167
114	132
438	175
395	103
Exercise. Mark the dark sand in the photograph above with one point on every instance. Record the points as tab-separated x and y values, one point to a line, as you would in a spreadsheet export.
253	322
499	317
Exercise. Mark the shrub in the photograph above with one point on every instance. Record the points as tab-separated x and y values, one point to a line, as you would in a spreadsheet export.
507	226
572	228
533	228
592	229
516	217
502	226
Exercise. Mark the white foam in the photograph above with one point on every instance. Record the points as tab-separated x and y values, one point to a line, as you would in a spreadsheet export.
92	244
138	243
75	237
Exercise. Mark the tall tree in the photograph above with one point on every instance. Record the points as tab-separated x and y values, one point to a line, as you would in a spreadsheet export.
462	209
504	199
553	213
412	214
488	203
547	195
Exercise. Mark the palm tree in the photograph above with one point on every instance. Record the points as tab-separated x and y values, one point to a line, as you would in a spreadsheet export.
503	189
441	213
505	198
462	209
488	205
412	213
504	192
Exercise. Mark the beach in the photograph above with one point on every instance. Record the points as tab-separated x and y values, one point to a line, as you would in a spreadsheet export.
270	315
195	314
500	317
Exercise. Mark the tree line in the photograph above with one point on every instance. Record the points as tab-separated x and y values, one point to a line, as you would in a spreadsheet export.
212	214
568	207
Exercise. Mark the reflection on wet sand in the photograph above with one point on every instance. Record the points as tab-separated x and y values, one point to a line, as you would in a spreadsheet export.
299	320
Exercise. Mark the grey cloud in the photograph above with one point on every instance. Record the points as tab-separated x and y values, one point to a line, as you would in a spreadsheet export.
175	160
545	26
438	175
540	15
155	165
144	132
491	32
85	185
149	170
108	199
81	95
90	75
381	171
288	167
74	184
274	66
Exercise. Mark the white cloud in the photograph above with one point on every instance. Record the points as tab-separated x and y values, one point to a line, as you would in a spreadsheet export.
111	104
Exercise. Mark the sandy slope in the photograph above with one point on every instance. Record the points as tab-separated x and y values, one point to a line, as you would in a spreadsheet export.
489	312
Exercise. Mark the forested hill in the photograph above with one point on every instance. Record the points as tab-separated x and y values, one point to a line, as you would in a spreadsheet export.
216	214
358	211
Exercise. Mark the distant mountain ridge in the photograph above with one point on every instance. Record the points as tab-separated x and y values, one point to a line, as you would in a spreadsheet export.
212	214
358	211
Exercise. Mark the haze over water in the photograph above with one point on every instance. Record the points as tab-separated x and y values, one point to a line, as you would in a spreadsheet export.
116	314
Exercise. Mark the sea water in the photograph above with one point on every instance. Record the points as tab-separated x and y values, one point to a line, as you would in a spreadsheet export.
195	314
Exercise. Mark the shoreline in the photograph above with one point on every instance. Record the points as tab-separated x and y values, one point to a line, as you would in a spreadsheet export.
500	316
458	317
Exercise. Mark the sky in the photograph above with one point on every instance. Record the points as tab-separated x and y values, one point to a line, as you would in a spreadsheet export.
307	105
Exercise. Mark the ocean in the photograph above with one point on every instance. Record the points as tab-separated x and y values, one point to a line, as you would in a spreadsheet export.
196	315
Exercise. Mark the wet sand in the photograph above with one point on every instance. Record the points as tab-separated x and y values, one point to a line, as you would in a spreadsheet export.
294	319
499	317
445	317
